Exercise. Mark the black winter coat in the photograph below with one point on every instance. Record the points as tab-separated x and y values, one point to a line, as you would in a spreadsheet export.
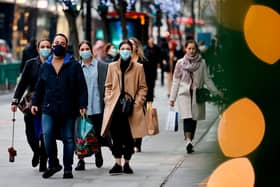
61	94
28	78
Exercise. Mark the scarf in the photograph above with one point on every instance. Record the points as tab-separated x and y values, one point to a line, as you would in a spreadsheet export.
189	65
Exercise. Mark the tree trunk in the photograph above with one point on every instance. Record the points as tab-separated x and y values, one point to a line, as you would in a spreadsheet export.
123	21
73	32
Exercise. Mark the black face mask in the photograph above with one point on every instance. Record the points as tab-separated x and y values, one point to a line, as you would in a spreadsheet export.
59	50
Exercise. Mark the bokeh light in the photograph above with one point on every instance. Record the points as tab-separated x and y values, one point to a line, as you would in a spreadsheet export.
232	13
241	128
261	29
236	172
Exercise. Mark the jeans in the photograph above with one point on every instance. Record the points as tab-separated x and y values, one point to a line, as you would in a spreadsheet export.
66	127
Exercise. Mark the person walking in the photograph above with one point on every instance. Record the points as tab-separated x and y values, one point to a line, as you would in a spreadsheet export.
29	51
95	74
28	80
125	77
111	53
61	93
150	75
190	73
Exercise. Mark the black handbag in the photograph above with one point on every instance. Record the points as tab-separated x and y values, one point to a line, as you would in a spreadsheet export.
202	95
127	103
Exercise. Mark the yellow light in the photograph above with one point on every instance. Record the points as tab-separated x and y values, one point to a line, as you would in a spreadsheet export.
233	173
241	128
261	30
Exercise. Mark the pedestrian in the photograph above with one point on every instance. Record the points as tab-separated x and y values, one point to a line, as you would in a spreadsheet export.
98	50
62	92
151	52
95	74
190	73
28	80
111	53
150	75
29	51
125	77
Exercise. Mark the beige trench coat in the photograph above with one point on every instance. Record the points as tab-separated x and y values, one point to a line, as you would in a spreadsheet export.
135	85
189	108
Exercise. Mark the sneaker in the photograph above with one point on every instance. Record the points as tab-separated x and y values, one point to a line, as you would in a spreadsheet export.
127	169
68	175
80	165
51	171
35	160
189	148
98	159
116	169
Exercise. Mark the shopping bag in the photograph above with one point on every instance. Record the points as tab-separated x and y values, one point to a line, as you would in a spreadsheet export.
172	121
85	138
151	119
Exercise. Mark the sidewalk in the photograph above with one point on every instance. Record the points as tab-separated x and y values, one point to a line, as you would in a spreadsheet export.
162	162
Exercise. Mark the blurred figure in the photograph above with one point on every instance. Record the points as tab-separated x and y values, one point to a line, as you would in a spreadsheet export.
111	53
150	76
151	52
172	61
164	65
95	74
61	94
98	50
202	47
28	80
191	72
124	77
30	51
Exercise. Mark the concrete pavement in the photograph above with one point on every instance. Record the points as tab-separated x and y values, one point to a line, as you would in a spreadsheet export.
162	162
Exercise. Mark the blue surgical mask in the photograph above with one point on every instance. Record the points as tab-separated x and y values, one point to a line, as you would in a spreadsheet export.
44	52
125	54
85	54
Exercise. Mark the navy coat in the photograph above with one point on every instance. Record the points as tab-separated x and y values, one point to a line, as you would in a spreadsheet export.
61	94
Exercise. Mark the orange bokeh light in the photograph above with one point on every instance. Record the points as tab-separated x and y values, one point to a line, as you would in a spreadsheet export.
241	128
236	172
261	30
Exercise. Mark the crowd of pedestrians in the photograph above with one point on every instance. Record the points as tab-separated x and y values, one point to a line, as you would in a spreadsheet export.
101	83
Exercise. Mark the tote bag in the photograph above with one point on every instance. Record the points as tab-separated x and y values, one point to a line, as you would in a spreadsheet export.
151	118
172	120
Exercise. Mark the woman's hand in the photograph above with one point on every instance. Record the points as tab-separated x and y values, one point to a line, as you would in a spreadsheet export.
14	108
171	103
34	110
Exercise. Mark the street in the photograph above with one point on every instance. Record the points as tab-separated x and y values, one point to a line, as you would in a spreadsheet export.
162	162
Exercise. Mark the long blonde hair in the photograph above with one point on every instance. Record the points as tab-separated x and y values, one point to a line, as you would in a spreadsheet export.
139	49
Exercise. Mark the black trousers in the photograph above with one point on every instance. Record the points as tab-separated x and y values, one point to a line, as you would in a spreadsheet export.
190	126
34	143
123	141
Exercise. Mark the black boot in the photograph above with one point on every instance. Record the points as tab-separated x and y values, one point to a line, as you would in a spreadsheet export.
127	169
98	159
81	165
43	164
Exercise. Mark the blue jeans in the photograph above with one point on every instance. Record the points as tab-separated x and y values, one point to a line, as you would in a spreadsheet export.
52	126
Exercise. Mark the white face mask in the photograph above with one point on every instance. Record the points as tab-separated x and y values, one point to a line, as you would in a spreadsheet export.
125	54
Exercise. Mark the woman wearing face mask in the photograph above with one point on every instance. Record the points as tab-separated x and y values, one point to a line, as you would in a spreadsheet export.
124	77
111	53
95	74
190	73
28	81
